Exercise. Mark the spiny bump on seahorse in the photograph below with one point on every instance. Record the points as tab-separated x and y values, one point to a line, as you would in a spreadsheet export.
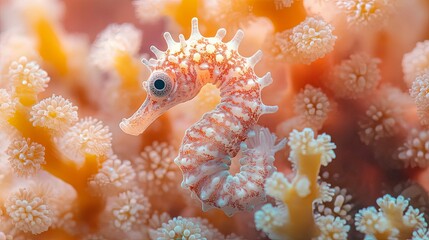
177	75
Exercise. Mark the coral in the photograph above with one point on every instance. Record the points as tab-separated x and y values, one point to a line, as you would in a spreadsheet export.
15	45
332	228
234	13
148	11
414	152
293	217
186	228
157	220
310	40
384	116
113	176
114	42
418	92
41	18
269	217
204	163
312	106
87	137
395	219
7	106
415	192
70	169
283	3
129	210
33	148
366	13
340	205
115	54
156	171
28	79
355	77
420	234
55	113
25	156
416	62
29	211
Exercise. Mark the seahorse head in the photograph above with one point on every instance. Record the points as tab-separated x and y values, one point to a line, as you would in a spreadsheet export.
174	79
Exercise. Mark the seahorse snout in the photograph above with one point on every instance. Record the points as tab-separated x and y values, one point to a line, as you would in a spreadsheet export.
140	120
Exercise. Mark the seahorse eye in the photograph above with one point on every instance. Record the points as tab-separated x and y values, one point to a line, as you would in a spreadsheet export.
160	85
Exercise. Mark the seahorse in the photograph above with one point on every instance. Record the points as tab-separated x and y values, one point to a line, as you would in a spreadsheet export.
177	75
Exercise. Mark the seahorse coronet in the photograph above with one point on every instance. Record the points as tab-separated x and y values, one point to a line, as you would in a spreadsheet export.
210	144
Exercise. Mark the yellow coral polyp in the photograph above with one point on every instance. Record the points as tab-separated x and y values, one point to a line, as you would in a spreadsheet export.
49	45
294	14
65	169
26	96
308	154
182	13
303	224
128	69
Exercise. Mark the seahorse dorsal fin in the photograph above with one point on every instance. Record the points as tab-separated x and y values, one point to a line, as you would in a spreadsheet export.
236	40
253	60
182	40
265	80
169	39
220	34
195	32
158	53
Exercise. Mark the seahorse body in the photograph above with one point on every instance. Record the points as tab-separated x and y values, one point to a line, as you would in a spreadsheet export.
205	155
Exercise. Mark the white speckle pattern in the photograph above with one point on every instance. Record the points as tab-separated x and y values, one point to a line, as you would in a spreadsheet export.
208	146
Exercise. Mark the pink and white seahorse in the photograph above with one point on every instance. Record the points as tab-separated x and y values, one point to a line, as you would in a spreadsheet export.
205	155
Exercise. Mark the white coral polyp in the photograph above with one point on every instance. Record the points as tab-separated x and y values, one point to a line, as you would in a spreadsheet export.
312	105
155	167
421	234
28	74
88	136
114	175
416	62
130	210
415	151
54	113
25	157
390	220
115	39
419	92
366	13
388	204
303	143
29	212
331	227
185	229
381	121
356	77
339	206
310	40
148	11
369	221
270	217
7	105
280	4
276	185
